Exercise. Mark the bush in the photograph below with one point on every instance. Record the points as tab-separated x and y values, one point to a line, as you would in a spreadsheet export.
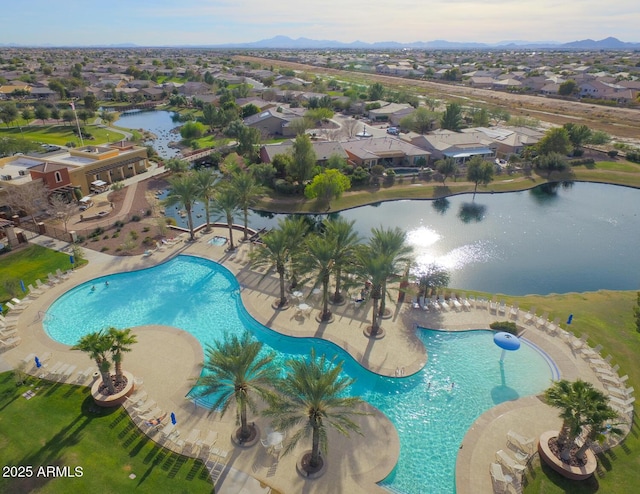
104	249
613	153
281	186
119	224
506	326
633	156
135	217
133	234
105	237
80	239
97	232
148	241
115	235
584	161
146	229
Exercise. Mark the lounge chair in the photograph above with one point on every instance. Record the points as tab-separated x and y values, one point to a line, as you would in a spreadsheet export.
502	308
207	443
192	442
456	304
443	303
514	312
520	442
493	307
51	371
52	279
552	327
578	343
83	375
15	308
34	291
42	286
542	320
10	342
419	304
67	373
529	316
466	305
61	275
216	465
147	253
500	482
620	391
145	407
508	462
596	363
6	333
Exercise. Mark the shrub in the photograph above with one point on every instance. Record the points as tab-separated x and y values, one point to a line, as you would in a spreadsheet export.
613	153
115	235
104	249
133	234
506	326
171	221
281	186
148	241
119	224
97	232
146	229
135	217
147	212
80	239
633	156
584	161
105	237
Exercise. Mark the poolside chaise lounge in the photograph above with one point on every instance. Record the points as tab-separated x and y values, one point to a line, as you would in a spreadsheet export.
207	443
192	442
61	275
514	312
66	374
34	291
524	444
14	308
83	375
10	342
216	463
530	315
500	482
620	391
510	463
6	333
52	279
542	320
502	308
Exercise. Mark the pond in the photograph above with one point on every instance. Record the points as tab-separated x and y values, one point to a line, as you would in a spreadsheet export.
551	239
160	123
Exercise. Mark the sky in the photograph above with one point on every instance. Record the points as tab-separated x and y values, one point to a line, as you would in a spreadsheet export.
204	22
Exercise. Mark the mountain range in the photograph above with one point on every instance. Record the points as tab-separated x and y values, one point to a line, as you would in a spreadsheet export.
287	43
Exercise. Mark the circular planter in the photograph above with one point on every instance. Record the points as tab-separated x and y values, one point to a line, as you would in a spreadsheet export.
300	466
573	473
108	401
252	441
378	336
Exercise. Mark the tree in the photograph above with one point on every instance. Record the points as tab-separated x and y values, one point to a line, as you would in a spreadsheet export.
479	171
551	162
295	229
248	139
345	239
247	192
318	258
452	117
107	117
300	125
336	162
431	278
498	115
184	190
371	269
391	243
235	370
225	202
176	165
327	185
27	114
206	180
8	113
98	345
583	409
636	312
304	159
210	116
376	91
479	117
555	140
42	113
192	130
62	209
68	116
31	198
91	102
446	167
423	120
568	88
273	253
578	134
314	395
121	341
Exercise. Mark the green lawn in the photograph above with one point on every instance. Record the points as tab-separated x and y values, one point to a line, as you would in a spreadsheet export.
618	166
60	134
29	264
60	426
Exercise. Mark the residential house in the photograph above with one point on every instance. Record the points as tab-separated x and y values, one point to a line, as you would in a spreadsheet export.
270	122
388	110
386	151
507	140
323	149
459	145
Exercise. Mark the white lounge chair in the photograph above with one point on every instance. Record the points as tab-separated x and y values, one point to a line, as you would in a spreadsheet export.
443	303
61	275
502	308
620	391
14	308
514	312
83	375
52	279
529	316
499	480
207	443
192	442
524	444
10	342
542	320
456	304
67	373
6	333
508	462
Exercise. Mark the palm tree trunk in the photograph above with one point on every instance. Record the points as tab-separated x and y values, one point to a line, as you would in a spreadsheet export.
119	377
103	366
283	298
374	322
230	225
190	221
207	215
326	313
246	222
337	296
315	445
383	299
245	432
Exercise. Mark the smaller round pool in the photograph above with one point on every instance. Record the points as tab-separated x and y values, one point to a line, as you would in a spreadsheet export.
218	240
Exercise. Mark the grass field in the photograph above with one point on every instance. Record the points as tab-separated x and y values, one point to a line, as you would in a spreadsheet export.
60	134
29	264
60	426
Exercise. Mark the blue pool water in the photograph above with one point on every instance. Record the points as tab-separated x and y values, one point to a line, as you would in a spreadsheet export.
431	417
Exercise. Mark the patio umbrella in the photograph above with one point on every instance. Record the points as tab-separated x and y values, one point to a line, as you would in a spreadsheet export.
38	363
173	418
22	286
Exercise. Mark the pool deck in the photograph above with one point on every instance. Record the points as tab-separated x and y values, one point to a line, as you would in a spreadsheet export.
166	361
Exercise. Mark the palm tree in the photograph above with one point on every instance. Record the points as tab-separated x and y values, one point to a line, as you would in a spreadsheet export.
372	267
98	345
312	397
184	190
391	244
247	191
319	257
583	408
236	369
225	202
121	341
345	240
273	253
295	229
206	180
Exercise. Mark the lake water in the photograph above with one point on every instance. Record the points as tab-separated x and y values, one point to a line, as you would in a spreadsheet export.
577	237
551	239
159	123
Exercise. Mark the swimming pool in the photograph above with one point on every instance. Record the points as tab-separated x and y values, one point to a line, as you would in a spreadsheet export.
430	416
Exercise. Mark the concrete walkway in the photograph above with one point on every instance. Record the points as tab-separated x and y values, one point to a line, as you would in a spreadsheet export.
167	361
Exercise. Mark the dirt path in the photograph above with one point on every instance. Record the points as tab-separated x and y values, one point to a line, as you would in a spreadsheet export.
620	122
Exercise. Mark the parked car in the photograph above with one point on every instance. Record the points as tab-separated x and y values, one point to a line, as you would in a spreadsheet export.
85	203
394	131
